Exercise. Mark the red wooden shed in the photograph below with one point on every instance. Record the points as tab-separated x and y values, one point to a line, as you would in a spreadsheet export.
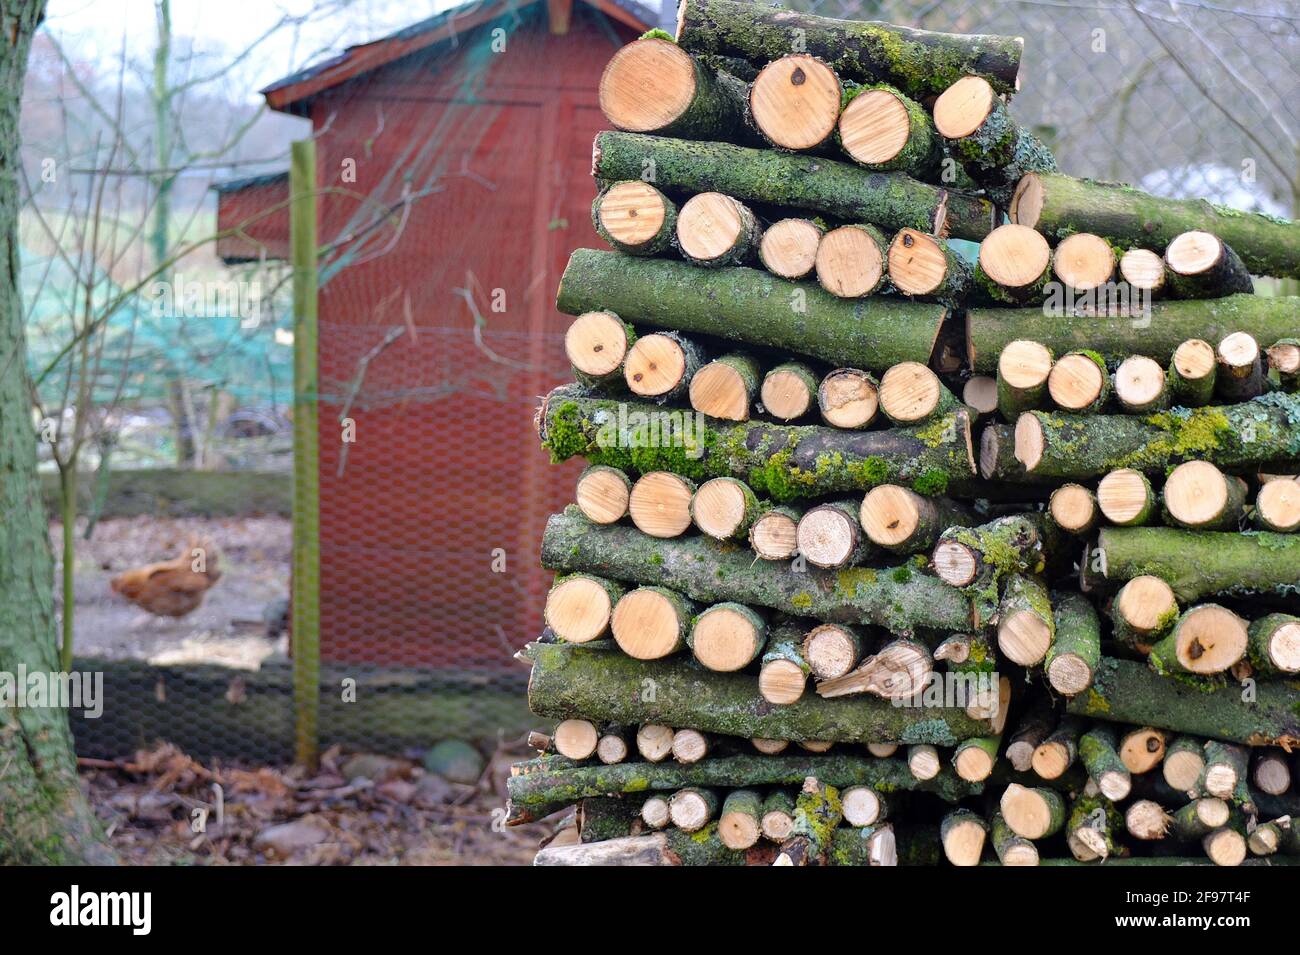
454	163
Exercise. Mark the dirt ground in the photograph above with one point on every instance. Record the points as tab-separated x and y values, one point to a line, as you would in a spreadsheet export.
163	808
254	559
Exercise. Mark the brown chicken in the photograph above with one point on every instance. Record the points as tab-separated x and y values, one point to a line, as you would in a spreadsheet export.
171	588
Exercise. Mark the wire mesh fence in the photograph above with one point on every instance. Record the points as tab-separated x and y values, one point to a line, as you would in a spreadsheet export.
455	181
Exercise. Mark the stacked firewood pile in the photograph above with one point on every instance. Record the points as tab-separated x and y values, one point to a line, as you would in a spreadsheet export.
839	588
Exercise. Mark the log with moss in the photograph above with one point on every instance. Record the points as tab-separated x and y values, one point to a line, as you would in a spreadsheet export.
900	599
1120	332
883	130
540	786
1127	691
1200	564
635	218
752	306
782	462
596	681
1261	432
838	190
1099	752
979	559
919	62
1076	650
1058	206
817	813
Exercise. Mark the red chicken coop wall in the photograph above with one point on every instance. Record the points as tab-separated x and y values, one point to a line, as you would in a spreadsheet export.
438	332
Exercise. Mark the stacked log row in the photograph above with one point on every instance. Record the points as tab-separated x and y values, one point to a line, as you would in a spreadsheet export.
835	590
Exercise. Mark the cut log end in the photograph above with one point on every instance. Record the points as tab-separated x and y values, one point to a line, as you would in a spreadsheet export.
874	127
689	810
849	263
848	398
646	625
689	746
719	507
578	609
1027	812
1278	505
1073	507
1271	774
974	764
1025	365
923	761
954	563
770	747
655	365
1147	820
1209	639
963	842
1193	253
596	343
1075	382
786	394
1069	674
910	392
1014	256
1182	769
1196	493
1143	269
1084	261
710	225
575	739
831	651
632	212
1124	496
1051	759
1027	201
660	504
654	812
1285	357
1024	637
611	749
827	536
774	536
602	495
1194	359
890	514
647	85
917	264
963	107
981	393
795	101
1139	382
1145	603
861	806
725	639
1225	847
781	682
1238	353
1142	750
739	830
776	825
720	391
1284	647
1114	785
654	742
789	248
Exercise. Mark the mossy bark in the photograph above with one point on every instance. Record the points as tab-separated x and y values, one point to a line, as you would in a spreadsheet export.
1261	432
596	682
1189	392
659	242
752	306
988	290
785	643
817	813
1118	333
601	818
540	786
44	817
1000	152
1004	840
1126	691
1099	753
1013	401
1027	593
767	177
1001	548
1091	827
1198	564
782	462
900	599
1078	637
1130	218
919	62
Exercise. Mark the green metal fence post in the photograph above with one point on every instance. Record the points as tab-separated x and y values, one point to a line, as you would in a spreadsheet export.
306	454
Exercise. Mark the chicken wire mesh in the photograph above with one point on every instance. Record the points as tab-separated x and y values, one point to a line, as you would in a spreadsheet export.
437	331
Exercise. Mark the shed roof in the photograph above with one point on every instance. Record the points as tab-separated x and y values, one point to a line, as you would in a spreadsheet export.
289	93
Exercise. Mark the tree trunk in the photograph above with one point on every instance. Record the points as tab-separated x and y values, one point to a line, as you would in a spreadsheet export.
1118	333
1199	564
541	786
899	599
864	51
44	819
782	462
1059	206
1129	692
838	190
601	684
1265	431
751	306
